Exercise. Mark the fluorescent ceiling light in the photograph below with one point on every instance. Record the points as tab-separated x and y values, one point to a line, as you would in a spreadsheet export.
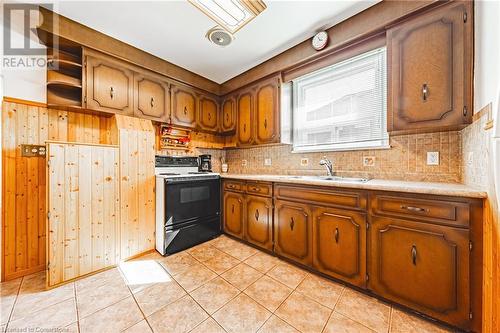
230	14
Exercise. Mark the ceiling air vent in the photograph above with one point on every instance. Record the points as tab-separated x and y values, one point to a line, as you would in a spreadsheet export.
219	36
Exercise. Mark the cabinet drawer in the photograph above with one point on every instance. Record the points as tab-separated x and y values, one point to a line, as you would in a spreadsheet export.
233	185
322	196
260	189
436	211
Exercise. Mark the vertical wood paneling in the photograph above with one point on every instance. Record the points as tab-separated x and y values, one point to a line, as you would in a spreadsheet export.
24	179
77	198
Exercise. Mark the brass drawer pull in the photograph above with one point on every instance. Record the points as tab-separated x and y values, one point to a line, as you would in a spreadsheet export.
152	102
230	186
336	235
414	255
111	92
257	215
292	223
415	209
256	189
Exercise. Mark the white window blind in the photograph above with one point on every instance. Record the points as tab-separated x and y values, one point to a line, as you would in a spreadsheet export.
342	106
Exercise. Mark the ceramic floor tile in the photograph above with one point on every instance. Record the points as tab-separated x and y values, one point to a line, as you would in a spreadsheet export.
92	300
33	296
224	243
262	262
321	290
99	279
214	294
341	324
276	325
140	327
178	263
242	315
293	312
221	262
208	326
403	322
178	317
49	319
241	251
287	274
140	274
114	318
364	309
204	252
242	276
158	295
8	295
268	292
71	328
194	277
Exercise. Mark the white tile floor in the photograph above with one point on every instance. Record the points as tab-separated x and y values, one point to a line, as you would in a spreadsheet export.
219	286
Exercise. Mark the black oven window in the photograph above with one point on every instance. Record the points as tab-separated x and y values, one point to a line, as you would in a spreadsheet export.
192	194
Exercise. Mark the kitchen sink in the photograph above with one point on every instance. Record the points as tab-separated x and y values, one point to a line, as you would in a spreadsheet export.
332	178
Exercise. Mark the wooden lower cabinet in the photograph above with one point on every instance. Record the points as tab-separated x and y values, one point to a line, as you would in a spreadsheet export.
422	266
293	231
339	244
234	207
259	221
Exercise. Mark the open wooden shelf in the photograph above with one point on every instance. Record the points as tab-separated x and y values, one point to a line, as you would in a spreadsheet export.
174	138
59	78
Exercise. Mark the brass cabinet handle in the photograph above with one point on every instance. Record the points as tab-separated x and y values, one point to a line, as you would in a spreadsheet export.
257	215
265	123
209	116
227	117
244	127
185	110
425	92
336	235
414	209
232	209
111	92
152	102
414	255
292	223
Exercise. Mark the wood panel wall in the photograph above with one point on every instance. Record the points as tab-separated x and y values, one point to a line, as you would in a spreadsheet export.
136	138
24	178
84	206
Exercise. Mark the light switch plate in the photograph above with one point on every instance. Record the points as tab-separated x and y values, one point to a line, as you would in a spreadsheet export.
368	161
432	158
304	162
244	162
267	162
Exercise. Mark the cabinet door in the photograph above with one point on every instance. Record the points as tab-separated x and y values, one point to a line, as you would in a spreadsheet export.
423	266
228	123
267	112
293	231
234	207
339	244
183	111
245	117
428	59
108	86
259	221
151	98
208	114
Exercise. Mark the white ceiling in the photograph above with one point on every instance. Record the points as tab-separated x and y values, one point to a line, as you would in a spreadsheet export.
175	30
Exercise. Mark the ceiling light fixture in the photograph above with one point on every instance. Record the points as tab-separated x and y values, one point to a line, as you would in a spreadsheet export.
232	15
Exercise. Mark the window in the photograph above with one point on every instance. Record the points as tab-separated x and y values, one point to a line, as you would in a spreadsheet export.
343	106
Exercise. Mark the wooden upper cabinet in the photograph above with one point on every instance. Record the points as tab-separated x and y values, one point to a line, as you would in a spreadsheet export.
429	62
151	98
267	112
108	86
339	244
245	118
234	207
423	266
184	106
259	221
228	121
208	114
293	231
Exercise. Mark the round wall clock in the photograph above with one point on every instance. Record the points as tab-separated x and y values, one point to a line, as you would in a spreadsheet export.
320	40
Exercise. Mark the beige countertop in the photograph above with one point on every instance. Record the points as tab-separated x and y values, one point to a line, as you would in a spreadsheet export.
449	189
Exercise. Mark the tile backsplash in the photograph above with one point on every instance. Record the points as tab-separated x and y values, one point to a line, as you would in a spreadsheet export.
405	160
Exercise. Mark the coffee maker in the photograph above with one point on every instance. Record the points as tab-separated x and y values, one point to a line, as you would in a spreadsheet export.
205	163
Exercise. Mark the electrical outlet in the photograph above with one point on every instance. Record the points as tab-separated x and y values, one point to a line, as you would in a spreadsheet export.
432	158
267	162
470	158
244	162
368	161
304	162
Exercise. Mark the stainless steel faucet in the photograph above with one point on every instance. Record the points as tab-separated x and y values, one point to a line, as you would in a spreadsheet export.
328	165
